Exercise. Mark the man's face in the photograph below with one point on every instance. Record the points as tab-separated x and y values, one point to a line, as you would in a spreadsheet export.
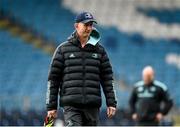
148	77
84	30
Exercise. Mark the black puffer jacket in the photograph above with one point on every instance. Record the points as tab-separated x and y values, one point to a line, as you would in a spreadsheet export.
78	73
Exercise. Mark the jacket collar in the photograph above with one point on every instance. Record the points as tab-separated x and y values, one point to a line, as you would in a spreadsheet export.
93	40
73	38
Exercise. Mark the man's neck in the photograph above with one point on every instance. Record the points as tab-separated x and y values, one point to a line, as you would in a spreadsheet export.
83	41
149	83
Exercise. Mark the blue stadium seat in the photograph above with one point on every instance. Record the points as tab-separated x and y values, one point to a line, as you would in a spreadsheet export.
23	71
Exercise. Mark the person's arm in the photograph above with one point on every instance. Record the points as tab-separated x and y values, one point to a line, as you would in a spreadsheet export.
132	102
168	102
107	81
54	80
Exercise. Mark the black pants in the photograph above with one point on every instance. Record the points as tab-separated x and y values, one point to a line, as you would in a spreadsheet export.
147	123
81	116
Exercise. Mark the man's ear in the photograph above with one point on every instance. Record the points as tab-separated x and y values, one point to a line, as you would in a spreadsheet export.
75	25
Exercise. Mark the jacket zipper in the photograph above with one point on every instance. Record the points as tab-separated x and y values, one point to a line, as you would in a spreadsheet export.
83	63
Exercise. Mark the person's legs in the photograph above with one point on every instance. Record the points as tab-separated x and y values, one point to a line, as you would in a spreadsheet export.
147	123
72	116
91	116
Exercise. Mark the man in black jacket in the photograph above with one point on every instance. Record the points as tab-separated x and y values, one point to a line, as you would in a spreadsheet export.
147	98
79	66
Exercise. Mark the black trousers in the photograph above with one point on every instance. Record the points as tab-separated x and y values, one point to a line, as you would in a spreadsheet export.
147	123
81	116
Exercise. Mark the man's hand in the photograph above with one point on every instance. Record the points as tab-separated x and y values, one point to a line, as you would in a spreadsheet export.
111	111
52	113
159	116
134	116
